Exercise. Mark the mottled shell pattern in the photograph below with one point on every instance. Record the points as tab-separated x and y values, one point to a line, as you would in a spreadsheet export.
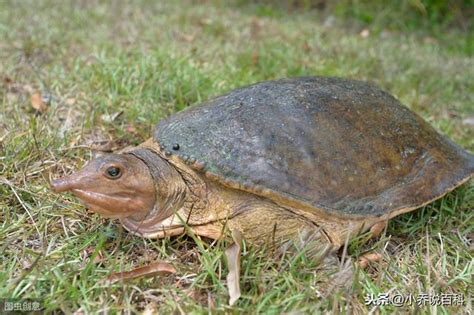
339	145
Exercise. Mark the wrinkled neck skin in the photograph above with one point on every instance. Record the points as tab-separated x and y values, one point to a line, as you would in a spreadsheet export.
180	194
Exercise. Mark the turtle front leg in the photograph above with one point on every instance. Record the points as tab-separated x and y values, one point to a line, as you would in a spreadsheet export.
265	224
281	231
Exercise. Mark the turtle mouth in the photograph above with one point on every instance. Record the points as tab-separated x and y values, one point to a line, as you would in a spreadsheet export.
110	207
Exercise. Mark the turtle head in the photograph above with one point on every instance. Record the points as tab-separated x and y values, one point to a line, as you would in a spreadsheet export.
113	185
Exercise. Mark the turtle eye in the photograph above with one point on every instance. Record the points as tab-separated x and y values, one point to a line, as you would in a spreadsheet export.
113	172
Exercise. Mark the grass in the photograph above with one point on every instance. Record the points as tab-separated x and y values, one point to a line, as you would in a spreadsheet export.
93	61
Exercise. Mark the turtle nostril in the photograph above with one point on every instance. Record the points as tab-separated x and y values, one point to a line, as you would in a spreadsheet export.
61	184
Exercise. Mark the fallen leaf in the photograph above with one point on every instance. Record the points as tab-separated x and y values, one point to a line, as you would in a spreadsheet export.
187	37
38	104
19	88
255	58
306	47
70	101
79	311
366	259
86	253
430	40
365	33
25	263
150	309
233	261
469	121
98	258
206	21
329	21
111	117
12	97
151	270
255	28
26	88
385	34
131	129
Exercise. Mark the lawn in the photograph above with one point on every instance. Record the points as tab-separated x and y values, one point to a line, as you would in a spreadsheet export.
81	76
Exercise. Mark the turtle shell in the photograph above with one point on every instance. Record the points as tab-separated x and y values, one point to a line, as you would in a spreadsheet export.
340	145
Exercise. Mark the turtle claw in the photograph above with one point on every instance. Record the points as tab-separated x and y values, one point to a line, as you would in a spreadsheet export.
378	228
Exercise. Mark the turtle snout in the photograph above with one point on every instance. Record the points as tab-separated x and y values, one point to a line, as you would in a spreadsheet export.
62	184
